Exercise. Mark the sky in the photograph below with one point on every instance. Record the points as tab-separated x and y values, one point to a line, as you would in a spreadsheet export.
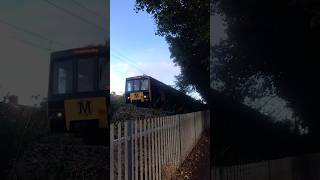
24	58
135	49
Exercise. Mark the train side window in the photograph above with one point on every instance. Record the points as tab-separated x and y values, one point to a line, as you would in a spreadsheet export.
129	86
144	84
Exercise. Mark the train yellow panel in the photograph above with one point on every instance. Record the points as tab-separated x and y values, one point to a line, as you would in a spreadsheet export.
86	109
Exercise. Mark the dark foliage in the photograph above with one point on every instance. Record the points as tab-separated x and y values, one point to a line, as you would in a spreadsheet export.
241	134
279	39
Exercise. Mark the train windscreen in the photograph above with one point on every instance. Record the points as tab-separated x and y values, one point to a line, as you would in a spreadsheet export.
85	75
144	84
62	77
137	85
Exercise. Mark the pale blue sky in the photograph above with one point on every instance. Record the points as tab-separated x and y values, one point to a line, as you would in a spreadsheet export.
135	49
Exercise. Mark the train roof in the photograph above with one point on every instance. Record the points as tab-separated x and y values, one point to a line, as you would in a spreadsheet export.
79	51
137	77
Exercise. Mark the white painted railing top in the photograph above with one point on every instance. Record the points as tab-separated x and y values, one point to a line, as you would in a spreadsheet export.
152	148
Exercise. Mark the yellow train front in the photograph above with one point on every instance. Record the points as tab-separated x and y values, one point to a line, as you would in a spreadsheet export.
138	91
78	93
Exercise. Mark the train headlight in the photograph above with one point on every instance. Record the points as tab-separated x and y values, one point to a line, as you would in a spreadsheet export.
59	114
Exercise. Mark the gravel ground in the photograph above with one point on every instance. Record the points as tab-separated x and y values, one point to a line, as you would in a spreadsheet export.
197	164
63	156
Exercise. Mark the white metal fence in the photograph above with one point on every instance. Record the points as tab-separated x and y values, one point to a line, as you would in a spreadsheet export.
144	148
289	168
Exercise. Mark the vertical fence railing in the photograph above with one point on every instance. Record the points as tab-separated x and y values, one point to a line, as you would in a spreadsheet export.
142	149
276	169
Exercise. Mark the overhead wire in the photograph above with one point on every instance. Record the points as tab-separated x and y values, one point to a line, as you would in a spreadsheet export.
65	10
33	44
32	33
123	73
126	60
119	72
77	3
38	35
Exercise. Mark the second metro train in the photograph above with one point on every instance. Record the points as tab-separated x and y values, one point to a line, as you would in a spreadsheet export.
145	91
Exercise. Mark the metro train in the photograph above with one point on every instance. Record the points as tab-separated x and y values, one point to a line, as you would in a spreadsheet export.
78	93
145	91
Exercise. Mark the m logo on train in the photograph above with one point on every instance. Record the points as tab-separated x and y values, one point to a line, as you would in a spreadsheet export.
84	107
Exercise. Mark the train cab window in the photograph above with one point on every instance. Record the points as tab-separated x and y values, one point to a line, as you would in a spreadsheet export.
62	77
136	85
129	86
144	84
85	75
104	79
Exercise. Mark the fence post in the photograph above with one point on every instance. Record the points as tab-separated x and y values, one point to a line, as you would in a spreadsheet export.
179	139
153	139
195	129
111	153
170	137
140	148
176	139
136	149
130	161
145	152
161	147
126	150
119	168
157	147
149	128
269	170
166	147
164	141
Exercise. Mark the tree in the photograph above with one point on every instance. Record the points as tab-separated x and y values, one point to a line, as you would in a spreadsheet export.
6	98
277	39
185	26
